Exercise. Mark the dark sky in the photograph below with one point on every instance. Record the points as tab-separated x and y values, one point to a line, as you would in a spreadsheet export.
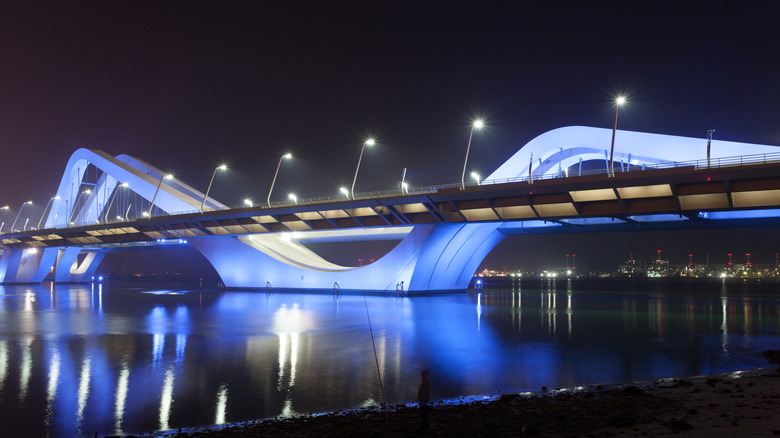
188	84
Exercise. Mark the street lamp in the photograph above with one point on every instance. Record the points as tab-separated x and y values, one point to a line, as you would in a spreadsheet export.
76	204
475	175
220	167
477	124
619	101
286	156
293	198
369	142
154	198
113	196
44	209
344	191
248	202
17	215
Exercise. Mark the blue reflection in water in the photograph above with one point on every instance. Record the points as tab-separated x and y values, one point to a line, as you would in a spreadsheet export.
76	360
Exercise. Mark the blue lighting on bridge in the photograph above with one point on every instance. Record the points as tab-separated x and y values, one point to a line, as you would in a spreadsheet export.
171	241
435	256
743	214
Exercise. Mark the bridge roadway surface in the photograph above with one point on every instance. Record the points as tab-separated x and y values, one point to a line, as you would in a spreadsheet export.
577	203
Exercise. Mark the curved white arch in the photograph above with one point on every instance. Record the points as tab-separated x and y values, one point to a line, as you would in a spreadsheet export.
564	147
143	178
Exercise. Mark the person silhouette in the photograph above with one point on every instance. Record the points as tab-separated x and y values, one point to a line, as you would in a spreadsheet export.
423	397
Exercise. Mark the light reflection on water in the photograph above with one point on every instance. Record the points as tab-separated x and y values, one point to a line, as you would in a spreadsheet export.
75	360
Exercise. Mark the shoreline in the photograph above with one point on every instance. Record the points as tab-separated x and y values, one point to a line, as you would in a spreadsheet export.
724	404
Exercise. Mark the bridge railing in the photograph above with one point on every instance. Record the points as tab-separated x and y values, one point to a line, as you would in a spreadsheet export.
736	161
620	167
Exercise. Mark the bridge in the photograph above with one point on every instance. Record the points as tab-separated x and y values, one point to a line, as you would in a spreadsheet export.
660	182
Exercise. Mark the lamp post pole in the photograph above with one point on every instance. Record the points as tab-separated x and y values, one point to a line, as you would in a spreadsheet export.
369	142
44	209
477	124
113	196
220	167
17	215
154	198
619	101
273	181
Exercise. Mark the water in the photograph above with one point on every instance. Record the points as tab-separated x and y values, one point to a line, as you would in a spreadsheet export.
75	360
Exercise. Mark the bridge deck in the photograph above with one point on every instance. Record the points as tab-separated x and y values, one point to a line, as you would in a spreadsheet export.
683	191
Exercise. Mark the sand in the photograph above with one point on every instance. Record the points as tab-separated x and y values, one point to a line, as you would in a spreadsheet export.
738	404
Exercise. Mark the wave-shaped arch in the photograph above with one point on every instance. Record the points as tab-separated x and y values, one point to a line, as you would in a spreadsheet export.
565	147
143	179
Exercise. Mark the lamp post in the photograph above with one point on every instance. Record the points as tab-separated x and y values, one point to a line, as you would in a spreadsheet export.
477	124
286	156
220	167
44	209
113	196
154	198
248	202
17	215
369	142
293	197
619	101
344	191
5	207
475	175
76	204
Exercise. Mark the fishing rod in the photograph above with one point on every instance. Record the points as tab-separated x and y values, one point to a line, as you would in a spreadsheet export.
376	359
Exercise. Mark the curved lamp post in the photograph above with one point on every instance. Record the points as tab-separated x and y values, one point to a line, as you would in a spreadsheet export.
113	196
220	167
17	215
475	175
619	101
5	207
293	197
154	198
477	124
44	209
369	142
76	204
286	156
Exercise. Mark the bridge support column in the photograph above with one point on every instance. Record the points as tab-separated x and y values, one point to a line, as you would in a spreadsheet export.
26	265
68	269
430	258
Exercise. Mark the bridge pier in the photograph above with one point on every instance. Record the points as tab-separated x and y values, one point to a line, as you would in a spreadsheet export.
29	265
69	270
439	257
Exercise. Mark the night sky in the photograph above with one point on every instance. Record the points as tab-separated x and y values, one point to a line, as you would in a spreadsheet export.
187	85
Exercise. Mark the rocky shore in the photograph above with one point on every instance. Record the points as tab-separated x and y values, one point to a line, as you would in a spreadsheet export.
743	403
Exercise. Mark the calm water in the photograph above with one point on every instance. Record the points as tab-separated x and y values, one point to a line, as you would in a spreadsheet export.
75	360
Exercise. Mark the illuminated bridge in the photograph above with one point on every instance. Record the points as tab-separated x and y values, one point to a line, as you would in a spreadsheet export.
444	232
